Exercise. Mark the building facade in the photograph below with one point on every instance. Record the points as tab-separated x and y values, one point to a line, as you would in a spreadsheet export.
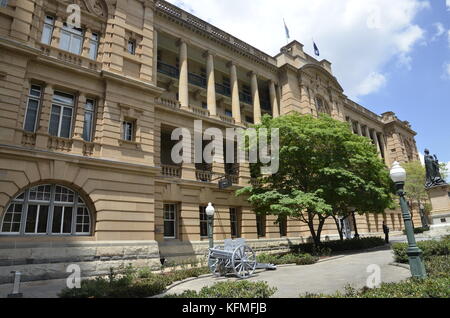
86	118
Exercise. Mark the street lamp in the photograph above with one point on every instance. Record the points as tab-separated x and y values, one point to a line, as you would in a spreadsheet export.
210	214
398	175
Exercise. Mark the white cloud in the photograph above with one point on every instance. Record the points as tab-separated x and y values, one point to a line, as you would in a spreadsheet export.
448	36
446	74
440	30
358	37
447	2
422	158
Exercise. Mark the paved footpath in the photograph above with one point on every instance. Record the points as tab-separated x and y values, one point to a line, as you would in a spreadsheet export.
324	277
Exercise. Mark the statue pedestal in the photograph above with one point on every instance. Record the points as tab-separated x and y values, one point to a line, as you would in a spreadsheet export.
440	202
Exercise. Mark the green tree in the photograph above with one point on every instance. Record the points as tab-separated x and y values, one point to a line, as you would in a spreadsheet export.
415	184
324	169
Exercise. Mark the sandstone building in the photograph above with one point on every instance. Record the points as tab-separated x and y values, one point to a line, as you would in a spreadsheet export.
85	120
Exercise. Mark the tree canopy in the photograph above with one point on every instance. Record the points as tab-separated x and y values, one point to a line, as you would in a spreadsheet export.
324	169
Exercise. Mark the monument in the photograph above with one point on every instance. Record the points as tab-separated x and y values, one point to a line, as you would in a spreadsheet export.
438	192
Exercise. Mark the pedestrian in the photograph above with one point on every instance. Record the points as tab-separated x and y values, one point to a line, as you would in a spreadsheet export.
386	232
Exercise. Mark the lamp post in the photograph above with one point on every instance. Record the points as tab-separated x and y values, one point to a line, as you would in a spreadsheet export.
210	214
398	175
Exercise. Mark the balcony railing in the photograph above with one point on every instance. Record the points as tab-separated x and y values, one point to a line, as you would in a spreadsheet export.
168	70
171	171
223	90
203	175
197	80
245	98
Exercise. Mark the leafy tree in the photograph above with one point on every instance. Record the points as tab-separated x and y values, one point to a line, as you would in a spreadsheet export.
324	169
415	184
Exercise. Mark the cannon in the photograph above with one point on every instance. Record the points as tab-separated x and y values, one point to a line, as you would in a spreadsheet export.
234	257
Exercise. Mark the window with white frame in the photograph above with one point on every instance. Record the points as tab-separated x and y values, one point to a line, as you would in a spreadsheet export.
89	112
128	130
61	115
203	222
170	220
48	209
31	115
93	46
47	30
71	39
234	222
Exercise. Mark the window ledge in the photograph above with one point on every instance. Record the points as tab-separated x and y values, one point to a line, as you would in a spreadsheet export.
135	144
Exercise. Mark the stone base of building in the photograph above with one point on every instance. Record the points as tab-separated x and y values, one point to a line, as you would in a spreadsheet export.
440	202
43	261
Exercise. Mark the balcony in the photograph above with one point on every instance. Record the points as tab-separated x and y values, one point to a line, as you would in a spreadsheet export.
245	98
223	90
168	70
171	171
197	80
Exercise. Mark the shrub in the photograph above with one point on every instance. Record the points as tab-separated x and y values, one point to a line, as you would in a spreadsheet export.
236	289
326	248
429	249
289	258
419	230
132	284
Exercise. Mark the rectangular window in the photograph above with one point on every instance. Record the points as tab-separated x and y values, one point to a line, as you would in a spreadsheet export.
93	46
283	226
31	115
62	220
203	222
71	39
170	221
88	128
3	3
37	216
226	81
261	225
47	30
131	47
249	119
128	130
228	113
234	222
61	115
246	89
82	221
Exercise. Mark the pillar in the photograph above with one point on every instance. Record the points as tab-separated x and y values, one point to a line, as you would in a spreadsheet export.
255	96
274	100
211	85
183	88
377	144
235	102
359	128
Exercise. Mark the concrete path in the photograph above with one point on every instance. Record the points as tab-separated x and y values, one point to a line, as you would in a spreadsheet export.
324	277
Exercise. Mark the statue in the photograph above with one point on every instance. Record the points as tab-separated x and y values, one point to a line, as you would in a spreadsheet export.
434	177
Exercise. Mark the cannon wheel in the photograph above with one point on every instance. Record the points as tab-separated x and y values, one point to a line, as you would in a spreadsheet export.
243	261
214	265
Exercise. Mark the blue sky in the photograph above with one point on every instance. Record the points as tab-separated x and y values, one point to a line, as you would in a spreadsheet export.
388	55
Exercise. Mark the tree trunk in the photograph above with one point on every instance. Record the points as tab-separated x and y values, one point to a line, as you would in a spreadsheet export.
339	228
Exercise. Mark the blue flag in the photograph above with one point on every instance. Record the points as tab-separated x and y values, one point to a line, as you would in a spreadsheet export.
286	29
316	49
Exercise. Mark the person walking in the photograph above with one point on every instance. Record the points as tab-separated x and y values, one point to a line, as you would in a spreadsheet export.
386	232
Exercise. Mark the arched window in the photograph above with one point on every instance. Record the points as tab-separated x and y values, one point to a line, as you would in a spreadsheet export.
47	209
322	106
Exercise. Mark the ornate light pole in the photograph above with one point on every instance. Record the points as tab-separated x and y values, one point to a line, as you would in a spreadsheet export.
398	175
210	214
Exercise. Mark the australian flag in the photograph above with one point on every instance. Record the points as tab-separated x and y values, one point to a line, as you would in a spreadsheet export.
316	49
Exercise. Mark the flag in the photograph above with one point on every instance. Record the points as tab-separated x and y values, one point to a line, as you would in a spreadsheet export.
316	49
287	30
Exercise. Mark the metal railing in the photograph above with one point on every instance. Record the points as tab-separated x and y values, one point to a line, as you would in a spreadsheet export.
223	90
245	98
197	80
168	70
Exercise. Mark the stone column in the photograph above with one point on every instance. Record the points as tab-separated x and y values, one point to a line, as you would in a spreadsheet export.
351	124
146	71
368	132
155	56
274	100
235	102
383	146
23	19
255	96
377	144
183	88
56	35
248	224
359	128
77	146
86	43
211	85
44	118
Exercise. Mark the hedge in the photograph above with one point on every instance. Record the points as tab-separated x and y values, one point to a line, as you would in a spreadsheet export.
289	258
236	289
429	248
133	284
326	248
